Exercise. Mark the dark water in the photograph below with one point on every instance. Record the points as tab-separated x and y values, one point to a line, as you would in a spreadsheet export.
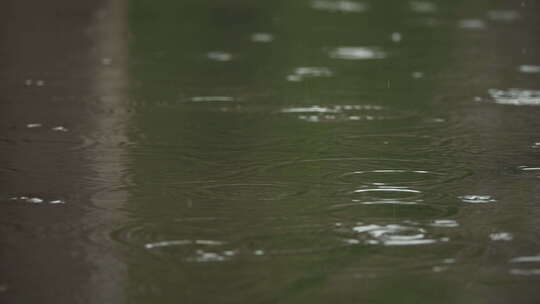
205	151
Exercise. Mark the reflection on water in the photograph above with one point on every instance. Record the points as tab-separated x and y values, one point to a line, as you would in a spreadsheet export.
283	151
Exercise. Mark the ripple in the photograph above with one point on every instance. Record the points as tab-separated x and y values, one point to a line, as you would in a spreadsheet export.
248	191
393	235
339	6
182	243
341	113
389	176
477	199
515	97
357	53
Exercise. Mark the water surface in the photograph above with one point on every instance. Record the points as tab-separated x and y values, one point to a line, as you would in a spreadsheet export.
271	152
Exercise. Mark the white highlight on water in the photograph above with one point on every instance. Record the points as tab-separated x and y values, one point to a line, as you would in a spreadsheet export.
211	99
422	6
339	6
501	236
472	24
357	53
516	97
477	199
262	37
219	56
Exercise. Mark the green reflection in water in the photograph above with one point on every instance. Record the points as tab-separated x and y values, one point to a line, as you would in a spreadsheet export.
224	127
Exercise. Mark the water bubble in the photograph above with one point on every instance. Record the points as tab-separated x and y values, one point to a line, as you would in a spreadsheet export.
357	53
477	199
516	97
219	56
262	37
339	6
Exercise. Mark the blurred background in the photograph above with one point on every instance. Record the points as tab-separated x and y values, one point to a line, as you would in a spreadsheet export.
236	151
